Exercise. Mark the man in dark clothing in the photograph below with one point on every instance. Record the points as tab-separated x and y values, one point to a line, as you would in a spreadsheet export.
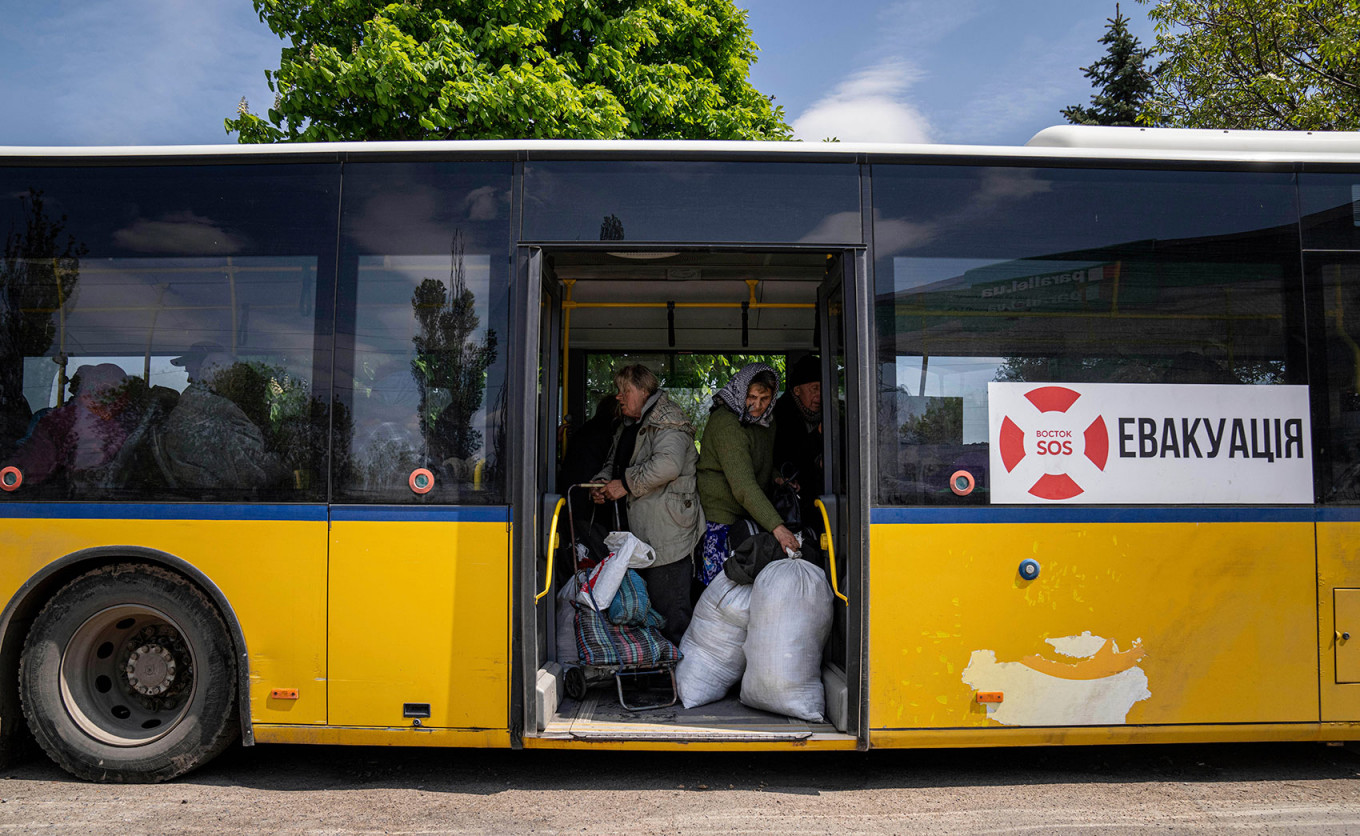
798	434
587	450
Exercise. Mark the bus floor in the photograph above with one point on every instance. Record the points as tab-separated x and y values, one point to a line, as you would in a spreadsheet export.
599	716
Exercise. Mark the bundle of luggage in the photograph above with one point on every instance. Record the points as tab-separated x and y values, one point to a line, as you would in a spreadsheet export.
605	617
763	622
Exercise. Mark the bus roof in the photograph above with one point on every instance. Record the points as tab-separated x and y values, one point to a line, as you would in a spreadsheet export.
1059	142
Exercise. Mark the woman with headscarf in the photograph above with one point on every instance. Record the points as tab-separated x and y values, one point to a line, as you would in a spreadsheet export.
736	465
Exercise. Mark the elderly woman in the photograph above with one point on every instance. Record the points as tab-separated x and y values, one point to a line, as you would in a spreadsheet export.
652	465
737	465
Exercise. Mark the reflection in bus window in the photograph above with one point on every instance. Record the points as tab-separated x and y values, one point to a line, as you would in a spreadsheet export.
421	372
141	276
424	386
1339	469
1065	277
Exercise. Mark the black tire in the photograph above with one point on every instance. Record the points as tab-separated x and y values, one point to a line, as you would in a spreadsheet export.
574	679
128	676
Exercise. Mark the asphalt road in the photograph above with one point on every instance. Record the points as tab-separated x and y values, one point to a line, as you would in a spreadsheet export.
282	789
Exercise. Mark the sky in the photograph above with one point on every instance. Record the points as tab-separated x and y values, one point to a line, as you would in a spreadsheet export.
168	72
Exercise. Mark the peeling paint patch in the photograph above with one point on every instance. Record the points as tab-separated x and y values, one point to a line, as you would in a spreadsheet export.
1080	647
1100	690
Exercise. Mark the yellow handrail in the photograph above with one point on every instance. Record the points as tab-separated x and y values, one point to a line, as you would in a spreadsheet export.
831	552
552	549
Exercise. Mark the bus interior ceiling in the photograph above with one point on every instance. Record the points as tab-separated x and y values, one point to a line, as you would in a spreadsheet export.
638	285
616	303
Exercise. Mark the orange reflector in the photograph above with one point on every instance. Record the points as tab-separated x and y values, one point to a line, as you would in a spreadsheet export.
990	696
283	694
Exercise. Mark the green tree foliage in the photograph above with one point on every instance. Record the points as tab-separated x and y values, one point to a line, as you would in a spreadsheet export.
452	356
1257	64
1120	77
690	380
489	69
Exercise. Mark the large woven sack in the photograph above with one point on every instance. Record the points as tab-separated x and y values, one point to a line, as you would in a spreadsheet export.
712	646
607	645
790	622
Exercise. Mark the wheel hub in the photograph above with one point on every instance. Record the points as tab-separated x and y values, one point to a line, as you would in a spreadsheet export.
151	670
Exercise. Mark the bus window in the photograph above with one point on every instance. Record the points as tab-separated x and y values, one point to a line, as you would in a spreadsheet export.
817	203
165	344
1329	208
1027	275
1336	279
422	386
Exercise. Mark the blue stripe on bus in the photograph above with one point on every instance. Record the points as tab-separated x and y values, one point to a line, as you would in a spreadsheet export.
244	512
159	511
1074	514
421	513
1339	513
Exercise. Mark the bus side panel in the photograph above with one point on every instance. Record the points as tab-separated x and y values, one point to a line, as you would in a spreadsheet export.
272	573
1338	594
1127	623
420	614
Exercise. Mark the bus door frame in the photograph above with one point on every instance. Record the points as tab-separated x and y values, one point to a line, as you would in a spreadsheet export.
846	485
533	442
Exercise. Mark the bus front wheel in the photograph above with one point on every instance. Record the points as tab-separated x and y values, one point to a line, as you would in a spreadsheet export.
128	676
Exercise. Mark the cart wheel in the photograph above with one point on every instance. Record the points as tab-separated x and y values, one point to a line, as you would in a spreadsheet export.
575	682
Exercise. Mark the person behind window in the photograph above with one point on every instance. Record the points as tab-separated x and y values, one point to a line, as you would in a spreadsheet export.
656	441
208	441
192	360
798	434
588	450
736	466
84	439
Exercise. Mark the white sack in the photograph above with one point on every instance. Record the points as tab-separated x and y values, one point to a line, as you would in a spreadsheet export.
790	622
602	582
712	655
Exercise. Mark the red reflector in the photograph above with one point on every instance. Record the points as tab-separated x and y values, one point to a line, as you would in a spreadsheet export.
283	694
990	696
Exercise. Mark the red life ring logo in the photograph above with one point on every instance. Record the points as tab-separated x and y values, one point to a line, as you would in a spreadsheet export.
1055	440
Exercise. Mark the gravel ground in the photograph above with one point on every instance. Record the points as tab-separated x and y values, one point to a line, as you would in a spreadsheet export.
323	790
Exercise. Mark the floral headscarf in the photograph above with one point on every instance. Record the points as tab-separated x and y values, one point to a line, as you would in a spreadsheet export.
733	395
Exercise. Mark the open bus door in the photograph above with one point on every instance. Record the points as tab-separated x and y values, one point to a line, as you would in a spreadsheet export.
815	312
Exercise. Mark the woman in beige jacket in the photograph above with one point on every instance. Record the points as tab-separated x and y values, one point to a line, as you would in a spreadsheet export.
657	443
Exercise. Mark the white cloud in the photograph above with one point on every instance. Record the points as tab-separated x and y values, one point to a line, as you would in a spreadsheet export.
870	106
178	232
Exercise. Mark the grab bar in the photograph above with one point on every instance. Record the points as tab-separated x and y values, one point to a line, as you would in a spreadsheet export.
552	549
831	551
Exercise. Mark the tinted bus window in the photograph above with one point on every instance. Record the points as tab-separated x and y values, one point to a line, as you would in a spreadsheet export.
421	370
160	330
1334	285
809	203
1033	275
1330	209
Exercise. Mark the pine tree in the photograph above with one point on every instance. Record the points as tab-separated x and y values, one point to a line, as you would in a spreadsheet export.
1120	76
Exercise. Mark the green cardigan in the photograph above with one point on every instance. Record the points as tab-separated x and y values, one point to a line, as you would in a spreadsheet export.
734	472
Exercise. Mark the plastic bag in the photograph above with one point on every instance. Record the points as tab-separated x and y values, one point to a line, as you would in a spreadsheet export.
712	646
790	622
601	584
566	624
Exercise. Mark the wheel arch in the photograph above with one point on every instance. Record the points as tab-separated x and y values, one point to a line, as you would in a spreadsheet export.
24	605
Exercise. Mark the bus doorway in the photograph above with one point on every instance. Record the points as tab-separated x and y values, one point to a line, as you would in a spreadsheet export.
693	318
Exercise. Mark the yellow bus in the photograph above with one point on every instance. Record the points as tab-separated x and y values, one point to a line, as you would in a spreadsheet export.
280	430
